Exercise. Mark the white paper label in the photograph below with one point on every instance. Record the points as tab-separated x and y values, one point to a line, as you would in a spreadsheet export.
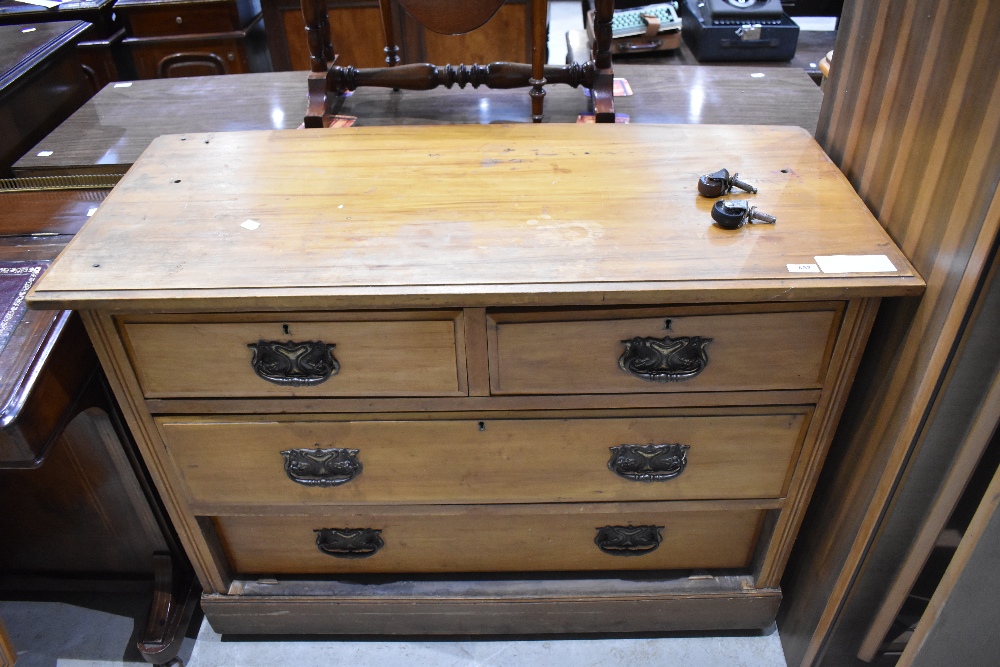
855	264
757	75
123	85
29	30
91	211
250	224
44	153
802	268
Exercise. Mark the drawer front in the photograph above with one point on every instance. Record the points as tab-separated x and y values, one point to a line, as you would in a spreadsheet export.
474	539
170	59
184	19
483	461
392	357
645	351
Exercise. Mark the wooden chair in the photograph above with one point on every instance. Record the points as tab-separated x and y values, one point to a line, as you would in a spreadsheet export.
452	17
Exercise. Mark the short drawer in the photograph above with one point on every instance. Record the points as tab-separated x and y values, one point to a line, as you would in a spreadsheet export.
661	350
184	19
247	463
483	539
401	354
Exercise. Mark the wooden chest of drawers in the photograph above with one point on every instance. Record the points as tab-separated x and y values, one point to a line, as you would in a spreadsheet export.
481	379
181	38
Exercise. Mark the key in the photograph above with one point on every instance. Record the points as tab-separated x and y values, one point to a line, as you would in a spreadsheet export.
720	183
734	213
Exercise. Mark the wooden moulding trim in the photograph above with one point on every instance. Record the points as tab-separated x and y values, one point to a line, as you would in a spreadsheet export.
480	404
114	360
463	508
478	296
847	356
966	459
517	612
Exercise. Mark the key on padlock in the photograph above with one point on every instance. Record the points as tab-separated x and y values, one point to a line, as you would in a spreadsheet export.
720	183
734	213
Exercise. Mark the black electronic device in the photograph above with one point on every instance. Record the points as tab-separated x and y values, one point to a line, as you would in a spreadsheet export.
738	30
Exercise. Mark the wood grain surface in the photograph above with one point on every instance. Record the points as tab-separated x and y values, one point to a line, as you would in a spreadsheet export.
562	206
488	460
110	132
543	352
477	538
415	357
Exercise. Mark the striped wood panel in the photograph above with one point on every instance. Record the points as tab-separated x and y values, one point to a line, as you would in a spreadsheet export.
912	116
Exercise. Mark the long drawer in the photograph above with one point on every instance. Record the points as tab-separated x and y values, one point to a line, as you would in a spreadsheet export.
254	462
398	354
597	351
484	539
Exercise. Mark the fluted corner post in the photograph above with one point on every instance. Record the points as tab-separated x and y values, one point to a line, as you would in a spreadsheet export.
602	92
539	34
321	52
391	47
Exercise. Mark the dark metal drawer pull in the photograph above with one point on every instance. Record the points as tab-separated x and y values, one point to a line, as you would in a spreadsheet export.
665	359
293	364
628	540
349	542
648	463
322	467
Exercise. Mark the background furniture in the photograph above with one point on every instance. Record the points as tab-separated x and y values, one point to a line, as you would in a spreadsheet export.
109	132
484	384
100	49
329	80
7	653
356	28
77	508
811	47
41	83
910	115
178	38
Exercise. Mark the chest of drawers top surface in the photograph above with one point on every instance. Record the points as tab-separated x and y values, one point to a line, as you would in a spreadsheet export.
468	215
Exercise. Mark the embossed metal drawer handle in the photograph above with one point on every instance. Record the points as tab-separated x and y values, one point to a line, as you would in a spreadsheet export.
628	540
349	542
648	463
293	364
322	467
665	359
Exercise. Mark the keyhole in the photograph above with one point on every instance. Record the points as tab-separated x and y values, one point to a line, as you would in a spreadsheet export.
284	329
667	324
482	426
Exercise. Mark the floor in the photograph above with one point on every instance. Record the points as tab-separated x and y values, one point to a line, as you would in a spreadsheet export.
91	630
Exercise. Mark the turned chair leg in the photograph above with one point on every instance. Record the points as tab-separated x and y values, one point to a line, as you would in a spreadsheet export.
539	16
602	92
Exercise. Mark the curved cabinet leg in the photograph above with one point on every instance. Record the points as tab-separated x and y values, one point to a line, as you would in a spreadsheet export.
175	595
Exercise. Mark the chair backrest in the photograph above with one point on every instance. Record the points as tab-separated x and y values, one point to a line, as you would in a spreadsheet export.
450	17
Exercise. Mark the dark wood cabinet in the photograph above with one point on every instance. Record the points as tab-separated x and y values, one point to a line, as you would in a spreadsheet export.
356	28
100	48
41	83
169	39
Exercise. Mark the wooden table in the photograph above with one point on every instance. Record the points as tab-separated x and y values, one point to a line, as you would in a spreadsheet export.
67	467
41	83
363	365
108	133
